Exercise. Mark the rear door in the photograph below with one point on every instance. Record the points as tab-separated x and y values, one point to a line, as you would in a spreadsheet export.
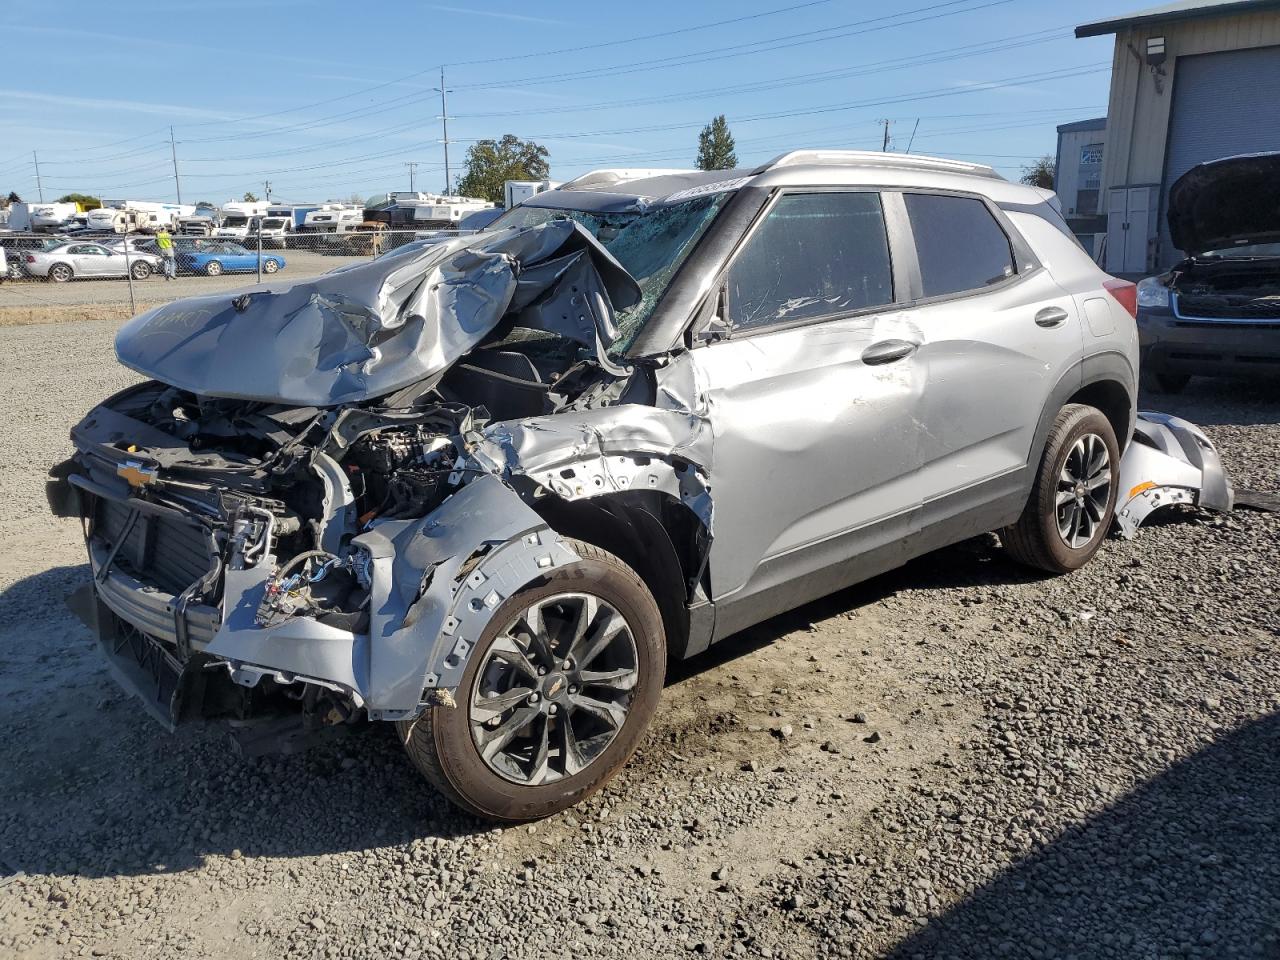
998	333
812	397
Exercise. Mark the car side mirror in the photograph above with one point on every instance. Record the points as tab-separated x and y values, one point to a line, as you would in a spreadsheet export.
713	324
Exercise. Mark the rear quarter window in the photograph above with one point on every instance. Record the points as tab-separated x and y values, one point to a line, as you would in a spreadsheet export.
959	244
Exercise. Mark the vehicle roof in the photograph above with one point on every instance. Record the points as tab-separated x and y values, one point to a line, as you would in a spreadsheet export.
606	191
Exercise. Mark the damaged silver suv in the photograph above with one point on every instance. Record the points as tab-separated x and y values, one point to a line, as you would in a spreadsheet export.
487	489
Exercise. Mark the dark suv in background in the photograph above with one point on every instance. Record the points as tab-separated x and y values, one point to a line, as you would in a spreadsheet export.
1217	312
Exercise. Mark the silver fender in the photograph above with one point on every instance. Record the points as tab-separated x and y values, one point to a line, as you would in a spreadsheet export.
1170	461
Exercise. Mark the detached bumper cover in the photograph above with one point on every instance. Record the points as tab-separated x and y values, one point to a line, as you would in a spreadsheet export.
1170	461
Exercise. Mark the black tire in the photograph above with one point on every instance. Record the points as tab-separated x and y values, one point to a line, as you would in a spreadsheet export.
140	270
213	268
1036	540
60	273
440	744
270	265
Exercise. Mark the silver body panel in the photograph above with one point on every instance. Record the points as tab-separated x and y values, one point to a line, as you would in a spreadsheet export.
802	466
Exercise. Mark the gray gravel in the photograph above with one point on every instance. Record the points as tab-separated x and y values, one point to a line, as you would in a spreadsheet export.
956	760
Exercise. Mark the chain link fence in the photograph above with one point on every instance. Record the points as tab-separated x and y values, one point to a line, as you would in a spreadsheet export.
53	277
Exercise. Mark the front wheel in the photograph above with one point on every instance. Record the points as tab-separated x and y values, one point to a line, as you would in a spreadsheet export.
270	266
556	696
213	269
140	270
1073	497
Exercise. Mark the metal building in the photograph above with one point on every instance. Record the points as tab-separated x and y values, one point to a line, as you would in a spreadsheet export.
1077	179
1190	81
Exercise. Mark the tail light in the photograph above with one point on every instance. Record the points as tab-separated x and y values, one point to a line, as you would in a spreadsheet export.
30	258
1125	293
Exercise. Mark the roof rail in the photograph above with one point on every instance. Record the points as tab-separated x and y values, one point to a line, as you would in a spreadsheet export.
872	158
596	179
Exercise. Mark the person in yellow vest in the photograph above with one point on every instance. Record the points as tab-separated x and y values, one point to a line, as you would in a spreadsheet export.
165	244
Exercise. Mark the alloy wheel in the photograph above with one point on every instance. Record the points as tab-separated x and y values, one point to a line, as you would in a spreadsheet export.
554	690
1084	491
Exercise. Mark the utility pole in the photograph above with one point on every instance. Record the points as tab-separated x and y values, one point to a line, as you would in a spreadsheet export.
444	121
173	151
266	187
39	188
413	166
884	147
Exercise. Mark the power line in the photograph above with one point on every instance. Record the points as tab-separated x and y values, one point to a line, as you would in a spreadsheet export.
702	56
541	53
934	94
864	26
982	48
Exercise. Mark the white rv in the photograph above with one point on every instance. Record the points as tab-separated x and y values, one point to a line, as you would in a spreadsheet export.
518	191
444	212
239	217
146	216
49	217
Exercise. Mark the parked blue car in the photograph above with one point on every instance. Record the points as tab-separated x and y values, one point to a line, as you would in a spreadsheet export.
216	257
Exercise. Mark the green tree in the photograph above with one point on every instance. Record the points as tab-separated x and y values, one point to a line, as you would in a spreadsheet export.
491	163
249	197
716	147
1040	173
86	202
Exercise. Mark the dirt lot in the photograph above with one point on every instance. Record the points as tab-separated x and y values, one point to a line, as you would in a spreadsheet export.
33	300
956	760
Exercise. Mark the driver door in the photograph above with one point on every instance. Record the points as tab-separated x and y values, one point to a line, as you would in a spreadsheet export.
90	260
813	396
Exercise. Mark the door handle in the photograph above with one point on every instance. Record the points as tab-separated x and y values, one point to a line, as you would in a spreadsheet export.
1051	317
887	351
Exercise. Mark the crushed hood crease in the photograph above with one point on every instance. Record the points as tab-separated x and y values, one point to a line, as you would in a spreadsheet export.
366	330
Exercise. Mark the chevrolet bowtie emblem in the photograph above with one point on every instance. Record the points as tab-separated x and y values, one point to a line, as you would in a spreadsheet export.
136	474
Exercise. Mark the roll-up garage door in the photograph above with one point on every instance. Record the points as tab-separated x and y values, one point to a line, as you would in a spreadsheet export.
1223	104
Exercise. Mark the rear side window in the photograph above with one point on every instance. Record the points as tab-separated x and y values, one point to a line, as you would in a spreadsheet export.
959	244
815	254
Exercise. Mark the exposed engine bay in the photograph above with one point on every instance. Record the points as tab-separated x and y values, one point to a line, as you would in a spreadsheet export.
250	549
1244	289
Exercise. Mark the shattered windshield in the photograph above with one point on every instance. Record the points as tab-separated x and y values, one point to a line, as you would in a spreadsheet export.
651	245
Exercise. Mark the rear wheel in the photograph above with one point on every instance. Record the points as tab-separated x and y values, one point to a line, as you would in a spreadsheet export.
213	268
556	696
60	273
1073	497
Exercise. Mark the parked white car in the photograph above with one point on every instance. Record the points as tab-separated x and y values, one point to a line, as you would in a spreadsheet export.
76	260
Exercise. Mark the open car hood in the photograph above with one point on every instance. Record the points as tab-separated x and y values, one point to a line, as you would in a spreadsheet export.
366	330
1225	203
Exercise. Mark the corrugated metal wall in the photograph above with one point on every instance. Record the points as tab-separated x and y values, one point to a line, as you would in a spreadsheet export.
1223	104
1139	108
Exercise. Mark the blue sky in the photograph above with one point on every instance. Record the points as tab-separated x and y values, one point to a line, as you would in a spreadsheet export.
326	98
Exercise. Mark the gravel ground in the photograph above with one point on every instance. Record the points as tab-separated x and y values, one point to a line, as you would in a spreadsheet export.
959	759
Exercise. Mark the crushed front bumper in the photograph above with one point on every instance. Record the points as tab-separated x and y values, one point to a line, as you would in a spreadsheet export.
1169	461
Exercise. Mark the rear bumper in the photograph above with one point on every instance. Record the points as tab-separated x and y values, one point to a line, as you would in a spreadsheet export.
1210	347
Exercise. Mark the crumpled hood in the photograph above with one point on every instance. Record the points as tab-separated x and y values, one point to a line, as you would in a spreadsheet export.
1222	203
366	330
